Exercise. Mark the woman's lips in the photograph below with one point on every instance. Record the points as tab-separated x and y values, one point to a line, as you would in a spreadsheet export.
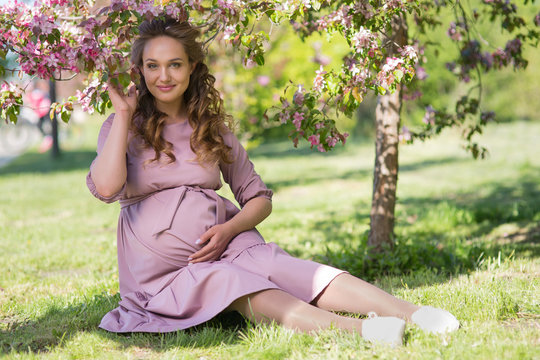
165	88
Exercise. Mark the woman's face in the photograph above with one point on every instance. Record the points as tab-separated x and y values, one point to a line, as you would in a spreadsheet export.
166	70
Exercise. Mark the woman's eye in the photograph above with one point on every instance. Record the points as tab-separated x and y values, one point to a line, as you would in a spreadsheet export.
151	66
176	65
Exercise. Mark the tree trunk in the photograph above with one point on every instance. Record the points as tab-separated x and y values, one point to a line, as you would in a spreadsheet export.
55	149
385	175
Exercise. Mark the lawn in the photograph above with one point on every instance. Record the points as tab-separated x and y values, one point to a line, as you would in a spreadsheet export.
468	236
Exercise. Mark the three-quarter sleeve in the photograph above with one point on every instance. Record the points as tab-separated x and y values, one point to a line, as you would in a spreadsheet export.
245	183
103	133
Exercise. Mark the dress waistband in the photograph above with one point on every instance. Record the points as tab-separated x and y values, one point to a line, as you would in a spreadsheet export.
165	218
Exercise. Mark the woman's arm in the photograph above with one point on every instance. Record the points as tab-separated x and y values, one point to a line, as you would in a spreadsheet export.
109	171
219	236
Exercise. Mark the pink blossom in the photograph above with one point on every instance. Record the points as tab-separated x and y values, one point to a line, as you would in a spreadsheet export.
285	104
339	17
364	39
175	12
421	73
119	5
314	139
297	120
42	24
429	116
391	64
284	117
364	8
298	96
500	58
393	4
249	63
54	2
322	59
409	52
513	47
318	81
331	141
319	125
405	134
228	31
263	80
407	96
453	33
344	138
321	148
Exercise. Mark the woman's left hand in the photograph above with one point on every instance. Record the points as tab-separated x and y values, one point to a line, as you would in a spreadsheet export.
218	237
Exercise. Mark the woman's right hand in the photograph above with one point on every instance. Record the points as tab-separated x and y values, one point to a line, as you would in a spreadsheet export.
123	104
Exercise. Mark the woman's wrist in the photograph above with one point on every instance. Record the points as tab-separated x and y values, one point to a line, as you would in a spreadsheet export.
123	116
231	227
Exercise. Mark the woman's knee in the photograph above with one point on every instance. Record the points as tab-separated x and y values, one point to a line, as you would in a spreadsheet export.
267	305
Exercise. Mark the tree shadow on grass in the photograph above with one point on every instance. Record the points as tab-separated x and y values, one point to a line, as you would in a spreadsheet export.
32	162
58	325
441	235
314	177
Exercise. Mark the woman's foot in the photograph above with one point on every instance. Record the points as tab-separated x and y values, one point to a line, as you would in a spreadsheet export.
435	320
384	329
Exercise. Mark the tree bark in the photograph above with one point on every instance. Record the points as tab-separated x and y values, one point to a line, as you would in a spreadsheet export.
385	175
55	149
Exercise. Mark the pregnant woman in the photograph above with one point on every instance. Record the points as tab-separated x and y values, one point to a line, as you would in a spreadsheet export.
185	254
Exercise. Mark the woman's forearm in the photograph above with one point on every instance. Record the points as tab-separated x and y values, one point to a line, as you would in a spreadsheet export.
252	214
109	170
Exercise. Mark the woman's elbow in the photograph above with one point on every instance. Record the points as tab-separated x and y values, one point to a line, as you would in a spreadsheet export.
106	192
268	207
106	189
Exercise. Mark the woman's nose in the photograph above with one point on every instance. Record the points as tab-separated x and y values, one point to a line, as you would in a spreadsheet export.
164	74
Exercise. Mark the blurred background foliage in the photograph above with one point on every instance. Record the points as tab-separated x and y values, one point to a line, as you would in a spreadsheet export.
249	91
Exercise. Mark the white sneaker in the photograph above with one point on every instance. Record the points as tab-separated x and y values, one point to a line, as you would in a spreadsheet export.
435	320
385	329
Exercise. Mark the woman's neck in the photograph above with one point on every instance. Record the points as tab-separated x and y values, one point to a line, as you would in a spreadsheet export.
176	113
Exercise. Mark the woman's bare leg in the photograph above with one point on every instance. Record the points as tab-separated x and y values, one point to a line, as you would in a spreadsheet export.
351	294
285	309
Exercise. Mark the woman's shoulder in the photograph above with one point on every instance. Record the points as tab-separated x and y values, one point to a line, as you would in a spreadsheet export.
227	134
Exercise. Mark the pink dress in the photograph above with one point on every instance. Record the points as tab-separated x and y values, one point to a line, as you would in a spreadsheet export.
165	208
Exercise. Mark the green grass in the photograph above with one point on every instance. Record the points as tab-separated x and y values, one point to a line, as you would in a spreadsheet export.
468	236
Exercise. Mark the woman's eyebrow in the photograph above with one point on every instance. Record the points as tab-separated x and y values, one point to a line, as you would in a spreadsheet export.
154	60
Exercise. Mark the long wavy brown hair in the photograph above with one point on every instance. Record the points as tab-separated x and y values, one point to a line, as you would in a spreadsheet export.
203	102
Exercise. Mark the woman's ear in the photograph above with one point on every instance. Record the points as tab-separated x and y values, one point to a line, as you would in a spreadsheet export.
193	66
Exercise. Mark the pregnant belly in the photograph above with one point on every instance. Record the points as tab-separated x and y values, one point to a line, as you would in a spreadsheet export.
186	218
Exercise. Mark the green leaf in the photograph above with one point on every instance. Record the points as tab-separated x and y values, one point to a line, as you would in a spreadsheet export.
399	75
259	59
65	115
124	79
12	116
245	39
125	15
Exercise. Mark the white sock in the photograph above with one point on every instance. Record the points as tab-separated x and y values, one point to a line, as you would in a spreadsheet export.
384	329
435	320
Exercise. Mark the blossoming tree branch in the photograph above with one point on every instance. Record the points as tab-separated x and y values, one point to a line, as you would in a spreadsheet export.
57	39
